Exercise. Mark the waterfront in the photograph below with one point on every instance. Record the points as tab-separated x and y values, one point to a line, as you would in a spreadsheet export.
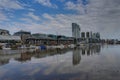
97	62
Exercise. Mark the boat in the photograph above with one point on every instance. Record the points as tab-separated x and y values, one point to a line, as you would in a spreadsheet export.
71	46
6	47
22	47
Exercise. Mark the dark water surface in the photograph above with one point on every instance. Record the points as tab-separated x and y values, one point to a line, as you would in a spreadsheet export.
85	63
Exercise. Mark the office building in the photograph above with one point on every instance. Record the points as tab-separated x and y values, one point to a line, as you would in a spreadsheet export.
82	35
75	30
98	35
87	34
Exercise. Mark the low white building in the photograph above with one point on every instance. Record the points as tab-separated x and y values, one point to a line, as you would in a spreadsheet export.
4	32
9	38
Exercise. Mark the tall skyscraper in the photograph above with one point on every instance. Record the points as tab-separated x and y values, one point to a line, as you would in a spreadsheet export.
75	30
87	34
98	35
82	34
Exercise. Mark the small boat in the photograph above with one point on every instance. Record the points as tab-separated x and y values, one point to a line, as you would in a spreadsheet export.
6	47
23	47
32	47
60	46
42	47
71	46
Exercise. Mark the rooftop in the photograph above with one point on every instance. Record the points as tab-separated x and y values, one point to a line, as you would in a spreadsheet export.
3	30
9	37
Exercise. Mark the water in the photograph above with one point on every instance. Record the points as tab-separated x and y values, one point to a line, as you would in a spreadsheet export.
85	63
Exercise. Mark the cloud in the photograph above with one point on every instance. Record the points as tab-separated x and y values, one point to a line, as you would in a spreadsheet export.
10	4
61	0
78	6
30	18
98	15
102	16
47	16
33	16
61	23
107	16
3	17
30	9
46	3
26	20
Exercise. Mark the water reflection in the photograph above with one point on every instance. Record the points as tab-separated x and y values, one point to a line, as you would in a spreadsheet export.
23	56
91	62
76	56
90	50
40	54
85	50
4	61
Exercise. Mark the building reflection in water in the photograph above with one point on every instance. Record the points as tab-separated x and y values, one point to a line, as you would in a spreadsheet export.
40	54
90	50
26	56
76	56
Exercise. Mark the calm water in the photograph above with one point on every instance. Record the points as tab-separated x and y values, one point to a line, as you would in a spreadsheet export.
84	63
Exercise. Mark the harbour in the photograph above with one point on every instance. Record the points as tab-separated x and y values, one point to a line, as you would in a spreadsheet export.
87	62
59	39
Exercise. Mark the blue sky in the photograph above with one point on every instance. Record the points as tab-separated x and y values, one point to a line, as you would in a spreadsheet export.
56	16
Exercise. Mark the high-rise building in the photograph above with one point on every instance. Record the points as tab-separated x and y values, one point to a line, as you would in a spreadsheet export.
87	35
82	34
94	35
98	35
91	34
75	30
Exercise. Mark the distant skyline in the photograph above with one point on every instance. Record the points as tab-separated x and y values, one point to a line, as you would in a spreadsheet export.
57	16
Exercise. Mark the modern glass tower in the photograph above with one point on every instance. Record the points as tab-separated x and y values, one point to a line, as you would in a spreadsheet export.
76	32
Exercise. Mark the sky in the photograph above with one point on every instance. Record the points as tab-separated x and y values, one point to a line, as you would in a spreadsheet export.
56	16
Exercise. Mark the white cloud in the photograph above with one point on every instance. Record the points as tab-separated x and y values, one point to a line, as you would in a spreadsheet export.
46	3
10	4
30	9
78	6
71	5
33	16
61	0
47	16
30	18
26	20
62	23
102	16
3	17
